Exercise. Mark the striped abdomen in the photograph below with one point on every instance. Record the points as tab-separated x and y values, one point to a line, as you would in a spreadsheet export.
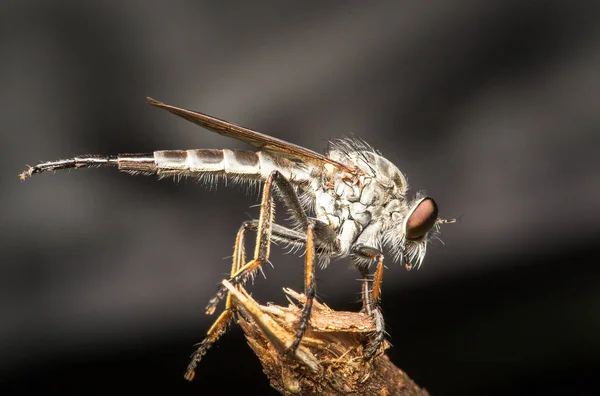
196	163
193	163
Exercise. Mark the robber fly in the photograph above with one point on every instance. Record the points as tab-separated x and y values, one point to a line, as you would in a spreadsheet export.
350	201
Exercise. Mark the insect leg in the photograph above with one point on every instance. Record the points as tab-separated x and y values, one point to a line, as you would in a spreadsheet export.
324	237
365	292
280	234
310	288
375	298
318	235
376	311
220	325
261	251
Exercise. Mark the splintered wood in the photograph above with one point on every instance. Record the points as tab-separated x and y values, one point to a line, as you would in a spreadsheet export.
329	359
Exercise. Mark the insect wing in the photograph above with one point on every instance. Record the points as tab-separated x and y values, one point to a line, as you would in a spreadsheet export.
257	139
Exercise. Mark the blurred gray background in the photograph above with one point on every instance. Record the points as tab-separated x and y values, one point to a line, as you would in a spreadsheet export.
493	108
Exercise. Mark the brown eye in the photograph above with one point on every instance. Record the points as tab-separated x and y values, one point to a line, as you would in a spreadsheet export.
422	218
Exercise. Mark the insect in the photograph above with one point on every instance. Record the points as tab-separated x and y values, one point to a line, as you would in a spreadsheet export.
350	201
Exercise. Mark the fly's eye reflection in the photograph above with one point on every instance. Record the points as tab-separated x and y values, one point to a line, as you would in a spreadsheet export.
422	219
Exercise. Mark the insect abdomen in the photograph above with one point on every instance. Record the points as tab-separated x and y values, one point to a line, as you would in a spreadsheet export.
199	162
227	163
240	164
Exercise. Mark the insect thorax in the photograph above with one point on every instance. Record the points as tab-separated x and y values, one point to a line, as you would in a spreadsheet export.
364	208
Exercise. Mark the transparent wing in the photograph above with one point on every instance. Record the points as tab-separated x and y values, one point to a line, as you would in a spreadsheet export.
257	139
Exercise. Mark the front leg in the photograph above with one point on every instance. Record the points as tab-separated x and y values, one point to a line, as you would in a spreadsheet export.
372	300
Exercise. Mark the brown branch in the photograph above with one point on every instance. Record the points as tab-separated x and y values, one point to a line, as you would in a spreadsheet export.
328	361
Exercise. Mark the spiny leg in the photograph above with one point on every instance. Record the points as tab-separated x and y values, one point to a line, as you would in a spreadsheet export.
318	235
324	236
261	250
310	288
375	299
220	325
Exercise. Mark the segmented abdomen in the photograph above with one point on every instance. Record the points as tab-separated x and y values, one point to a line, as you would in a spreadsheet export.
200	162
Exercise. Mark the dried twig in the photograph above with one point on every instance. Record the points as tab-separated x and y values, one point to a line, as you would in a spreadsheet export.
328	362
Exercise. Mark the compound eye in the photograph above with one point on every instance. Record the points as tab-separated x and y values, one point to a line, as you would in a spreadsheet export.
422	219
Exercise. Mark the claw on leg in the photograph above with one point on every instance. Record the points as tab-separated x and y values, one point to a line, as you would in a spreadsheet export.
216	331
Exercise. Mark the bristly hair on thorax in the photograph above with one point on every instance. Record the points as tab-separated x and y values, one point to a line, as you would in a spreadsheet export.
410	252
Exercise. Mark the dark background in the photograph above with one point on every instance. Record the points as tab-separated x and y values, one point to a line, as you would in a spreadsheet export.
492	107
